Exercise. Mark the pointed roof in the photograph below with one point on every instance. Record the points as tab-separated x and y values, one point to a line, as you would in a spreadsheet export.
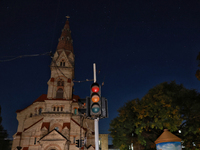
33	124
47	136
66	124
43	97
46	125
65	40
167	136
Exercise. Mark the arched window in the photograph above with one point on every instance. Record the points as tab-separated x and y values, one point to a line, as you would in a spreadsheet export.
60	82
54	108
75	111
40	111
31	115
62	63
59	93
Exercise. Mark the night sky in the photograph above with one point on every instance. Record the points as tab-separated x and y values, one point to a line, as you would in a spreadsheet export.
136	44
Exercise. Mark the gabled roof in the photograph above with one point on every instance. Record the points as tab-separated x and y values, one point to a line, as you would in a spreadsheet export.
54	130
33	124
25	148
45	124
75	98
66	124
43	97
18	133
90	147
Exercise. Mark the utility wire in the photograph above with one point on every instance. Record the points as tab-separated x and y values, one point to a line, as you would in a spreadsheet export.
86	80
22	56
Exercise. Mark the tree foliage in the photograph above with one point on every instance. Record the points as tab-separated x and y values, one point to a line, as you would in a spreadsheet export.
4	144
166	106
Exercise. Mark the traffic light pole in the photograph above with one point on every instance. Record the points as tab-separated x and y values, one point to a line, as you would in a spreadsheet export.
96	121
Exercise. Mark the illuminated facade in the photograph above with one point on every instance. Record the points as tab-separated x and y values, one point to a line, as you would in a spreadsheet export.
52	122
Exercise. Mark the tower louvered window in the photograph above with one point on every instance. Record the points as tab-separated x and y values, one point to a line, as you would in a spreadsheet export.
60	87
59	93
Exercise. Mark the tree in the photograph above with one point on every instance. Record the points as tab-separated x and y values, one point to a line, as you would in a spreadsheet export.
4	144
166	106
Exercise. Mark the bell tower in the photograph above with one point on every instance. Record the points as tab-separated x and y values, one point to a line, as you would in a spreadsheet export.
60	84
52	121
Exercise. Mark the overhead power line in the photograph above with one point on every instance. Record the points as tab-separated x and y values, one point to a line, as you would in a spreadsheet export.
86	80
22	56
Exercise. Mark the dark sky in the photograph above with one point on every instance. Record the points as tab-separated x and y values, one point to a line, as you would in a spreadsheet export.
135	44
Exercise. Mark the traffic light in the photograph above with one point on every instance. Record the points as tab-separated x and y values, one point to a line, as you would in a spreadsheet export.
84	106
95	100
88	106
104	107
19	147
79	143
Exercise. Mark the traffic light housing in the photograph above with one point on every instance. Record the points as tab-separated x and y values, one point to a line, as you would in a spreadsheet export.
95	100
82	104
19	147
79	143
84	107
104	107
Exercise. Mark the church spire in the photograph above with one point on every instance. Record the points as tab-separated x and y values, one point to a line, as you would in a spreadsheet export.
60	85
65	40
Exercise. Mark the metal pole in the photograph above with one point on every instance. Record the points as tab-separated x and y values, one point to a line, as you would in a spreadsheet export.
96	124
94	71
96	121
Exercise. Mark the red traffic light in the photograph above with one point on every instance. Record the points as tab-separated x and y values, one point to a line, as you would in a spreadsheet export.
95	89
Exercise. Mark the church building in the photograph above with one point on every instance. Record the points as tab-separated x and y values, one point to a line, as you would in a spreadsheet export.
52	121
